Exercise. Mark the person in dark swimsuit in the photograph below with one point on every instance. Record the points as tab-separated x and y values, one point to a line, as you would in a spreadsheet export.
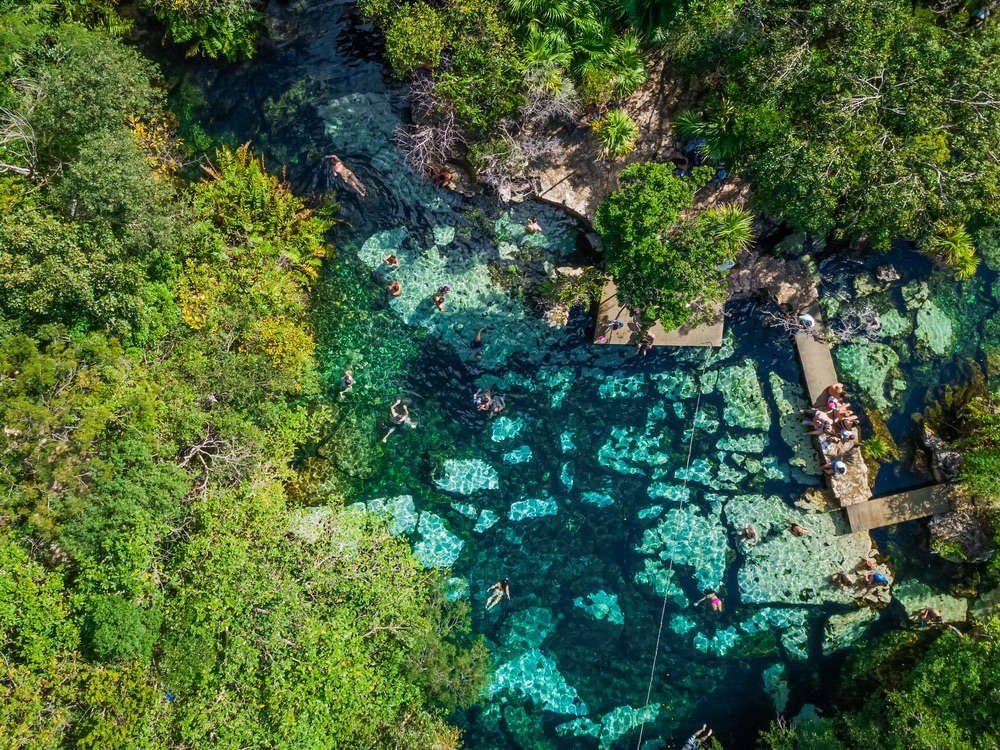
477	343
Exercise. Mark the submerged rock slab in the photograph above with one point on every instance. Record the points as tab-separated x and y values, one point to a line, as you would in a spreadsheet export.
745	405
438	547
789	569
789	398
486	520
505	428
600	499
518	455
624	719
618	385
720	644
914	596
688	538
843	630
601	606
776	686
934	330
534	676
527	628
467	476
872	368
533	508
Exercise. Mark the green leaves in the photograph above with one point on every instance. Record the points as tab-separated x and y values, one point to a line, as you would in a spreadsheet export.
616	132
415	38
663	265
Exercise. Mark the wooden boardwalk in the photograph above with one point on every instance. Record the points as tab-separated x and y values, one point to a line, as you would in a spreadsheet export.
611	309
903	506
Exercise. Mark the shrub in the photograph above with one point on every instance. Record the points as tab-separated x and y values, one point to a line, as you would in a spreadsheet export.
954	246
415	38
217	28
875	449
616	132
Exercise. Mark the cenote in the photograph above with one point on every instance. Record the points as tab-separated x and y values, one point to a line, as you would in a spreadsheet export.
580	493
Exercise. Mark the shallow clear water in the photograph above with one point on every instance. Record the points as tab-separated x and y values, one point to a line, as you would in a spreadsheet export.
580	493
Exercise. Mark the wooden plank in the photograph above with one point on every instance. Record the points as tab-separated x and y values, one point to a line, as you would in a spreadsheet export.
610	308
818	371
903	506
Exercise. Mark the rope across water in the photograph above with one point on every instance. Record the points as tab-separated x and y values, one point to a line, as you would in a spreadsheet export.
670	564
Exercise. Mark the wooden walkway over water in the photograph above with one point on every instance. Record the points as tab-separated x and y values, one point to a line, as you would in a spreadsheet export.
852	491
903	506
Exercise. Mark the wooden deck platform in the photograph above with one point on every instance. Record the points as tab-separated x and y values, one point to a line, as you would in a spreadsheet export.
611	309
903	506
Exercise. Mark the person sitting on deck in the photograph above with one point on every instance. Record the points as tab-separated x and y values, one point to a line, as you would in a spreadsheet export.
849	422
836	390
695	740
646	344
807	321
835	468
843	580
609	327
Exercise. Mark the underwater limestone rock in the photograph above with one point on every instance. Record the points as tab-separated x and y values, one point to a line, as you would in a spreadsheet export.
566	475
946	462
934	330
676	385
682	624
789	569
518	456
728	476
651	512
467	476
705	420
869	367
788	397
724	352
533	508
400	509
469	511
625	449
534	677
663	580
456	588
581	727
526	629
486	520
708	381
523	727
745	405
438	547
679	411
624	719
887	273
601	606
795	641
841	631
674	492
895	325
966	534
557	383
774	618
915	294
566	442
600	499
914	596
987	604
689	538
776	686
699	471
443	235
618	385
505	428
719	644
753	443
359	122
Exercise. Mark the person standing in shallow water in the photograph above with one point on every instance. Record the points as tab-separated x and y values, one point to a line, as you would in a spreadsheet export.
498	590
395	288
399	414
695	740
532	226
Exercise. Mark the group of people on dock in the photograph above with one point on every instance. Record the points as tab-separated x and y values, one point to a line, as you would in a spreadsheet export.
835	424
644	341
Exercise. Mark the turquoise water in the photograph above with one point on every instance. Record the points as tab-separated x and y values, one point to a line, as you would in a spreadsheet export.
610	483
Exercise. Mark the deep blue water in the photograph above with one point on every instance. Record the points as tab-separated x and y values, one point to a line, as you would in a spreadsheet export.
581	548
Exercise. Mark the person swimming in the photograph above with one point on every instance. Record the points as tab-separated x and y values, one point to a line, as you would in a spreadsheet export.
399	414
395	288
346	175
499	590
477	343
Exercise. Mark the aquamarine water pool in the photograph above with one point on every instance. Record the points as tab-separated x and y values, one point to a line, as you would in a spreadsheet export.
611	482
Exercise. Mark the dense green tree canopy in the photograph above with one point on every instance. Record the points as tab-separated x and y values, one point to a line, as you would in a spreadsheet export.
663	261
866	120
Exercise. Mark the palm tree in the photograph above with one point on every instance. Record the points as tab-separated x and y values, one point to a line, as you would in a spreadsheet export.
719	141
955	246
731	225
617	132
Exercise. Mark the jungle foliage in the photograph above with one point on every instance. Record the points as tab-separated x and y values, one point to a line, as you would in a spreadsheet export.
668	265
909	691
158	391
865	121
